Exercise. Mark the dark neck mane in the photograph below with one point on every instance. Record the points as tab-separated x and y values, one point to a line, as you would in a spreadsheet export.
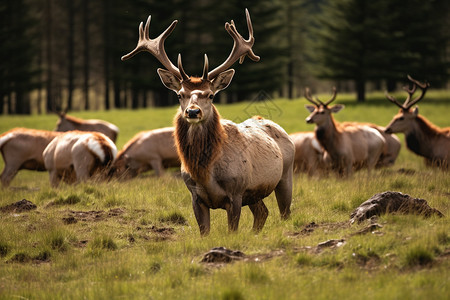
73	120
198	145
420	139
327	135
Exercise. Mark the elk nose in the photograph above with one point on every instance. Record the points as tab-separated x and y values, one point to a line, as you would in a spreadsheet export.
192	113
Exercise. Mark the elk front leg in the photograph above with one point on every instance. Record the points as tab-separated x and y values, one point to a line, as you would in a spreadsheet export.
260	213
201	211
202	215
234	213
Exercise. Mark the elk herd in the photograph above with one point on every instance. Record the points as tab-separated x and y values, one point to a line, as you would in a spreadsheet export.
223	164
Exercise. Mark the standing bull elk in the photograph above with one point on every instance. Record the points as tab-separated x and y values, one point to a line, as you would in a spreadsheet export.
224	165
76	156
22	148
422	137
68	123
147	150
350	146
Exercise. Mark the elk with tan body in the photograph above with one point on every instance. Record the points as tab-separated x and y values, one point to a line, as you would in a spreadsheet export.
22	149
76	156
224	165
147	150
350	146
68	123
422	137
309	154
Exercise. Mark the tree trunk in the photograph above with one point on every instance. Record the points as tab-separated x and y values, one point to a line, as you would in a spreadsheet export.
361	90
86	53
70	53
106	39
49	85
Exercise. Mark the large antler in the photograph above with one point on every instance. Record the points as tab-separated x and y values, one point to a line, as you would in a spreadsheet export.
408	103
155	46
241	47
310	98
317	101
423	87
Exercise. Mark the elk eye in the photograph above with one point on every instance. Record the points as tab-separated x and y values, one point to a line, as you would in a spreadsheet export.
211	96
179	96
401	118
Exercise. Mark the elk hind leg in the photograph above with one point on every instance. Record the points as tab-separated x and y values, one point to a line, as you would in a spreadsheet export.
260	213
283	193
9	172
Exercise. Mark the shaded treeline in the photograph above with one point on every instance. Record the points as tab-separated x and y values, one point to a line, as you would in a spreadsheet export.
66	54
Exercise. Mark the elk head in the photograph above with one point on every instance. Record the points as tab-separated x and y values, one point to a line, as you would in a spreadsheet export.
320	112
402	120
195	93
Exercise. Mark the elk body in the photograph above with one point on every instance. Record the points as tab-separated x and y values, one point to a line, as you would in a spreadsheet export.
350	146
22	148
76	156
224	165
147	150
68	123
421	136
309	154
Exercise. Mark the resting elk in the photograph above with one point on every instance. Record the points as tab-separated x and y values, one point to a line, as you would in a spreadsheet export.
422	137
76	156
224	165
309	154
22	148
147	150
350	146
68	123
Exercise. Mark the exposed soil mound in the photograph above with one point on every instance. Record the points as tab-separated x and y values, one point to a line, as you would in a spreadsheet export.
19	206
389	202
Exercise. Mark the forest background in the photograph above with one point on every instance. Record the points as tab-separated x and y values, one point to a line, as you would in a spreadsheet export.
65	55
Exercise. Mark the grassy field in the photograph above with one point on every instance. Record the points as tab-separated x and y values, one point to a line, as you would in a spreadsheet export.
139	239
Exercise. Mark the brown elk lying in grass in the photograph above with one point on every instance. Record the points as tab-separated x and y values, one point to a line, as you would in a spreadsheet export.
309	154
422	137
147	150
68	123
76	156
350	146
224	165
22	148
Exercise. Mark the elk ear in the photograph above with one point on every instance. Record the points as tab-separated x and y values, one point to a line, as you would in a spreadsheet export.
416	111
222	81
310	108
337	108
169	80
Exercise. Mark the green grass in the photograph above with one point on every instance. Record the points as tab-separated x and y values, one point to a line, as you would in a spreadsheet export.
139	239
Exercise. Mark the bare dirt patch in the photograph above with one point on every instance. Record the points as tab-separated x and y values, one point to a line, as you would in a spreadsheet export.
220	256
313	226
74	216
19	206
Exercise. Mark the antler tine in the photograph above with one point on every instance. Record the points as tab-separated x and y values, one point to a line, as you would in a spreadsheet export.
423	87
183	74
309	97
393	100
241	47
332	97
205	68
155	46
